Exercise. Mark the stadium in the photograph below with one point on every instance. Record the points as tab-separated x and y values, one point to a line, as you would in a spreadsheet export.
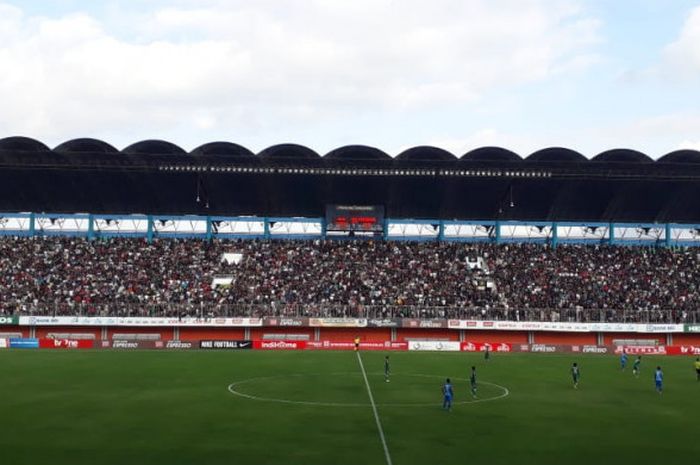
219	306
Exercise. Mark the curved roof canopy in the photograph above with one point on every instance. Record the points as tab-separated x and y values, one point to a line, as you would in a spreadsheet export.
154	147
426	153
22	144
681	156
357	152
226	149
286	151
491	154
556	154
622	156
85	145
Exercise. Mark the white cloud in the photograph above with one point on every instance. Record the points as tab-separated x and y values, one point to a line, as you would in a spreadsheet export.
257	66
683	55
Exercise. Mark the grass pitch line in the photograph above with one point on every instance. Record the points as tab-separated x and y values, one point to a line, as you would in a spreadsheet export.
374	409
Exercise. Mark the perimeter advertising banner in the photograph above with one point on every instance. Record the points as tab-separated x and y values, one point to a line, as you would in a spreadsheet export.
279	345
692	328
338	322
482	346
420	323
136	321
9	320
4	343
66	343
349	345
439	346
384	323
566	326
226	345
286	321
24	343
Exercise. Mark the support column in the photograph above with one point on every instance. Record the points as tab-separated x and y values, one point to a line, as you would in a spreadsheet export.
669	339
441	231
209	233
91	228
149	228
668	235
555	235
611	234
32	224
266	228
497	230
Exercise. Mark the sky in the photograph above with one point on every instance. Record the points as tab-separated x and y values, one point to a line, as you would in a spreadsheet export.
392	74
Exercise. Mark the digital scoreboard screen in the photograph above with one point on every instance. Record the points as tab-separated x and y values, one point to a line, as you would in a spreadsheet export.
355	218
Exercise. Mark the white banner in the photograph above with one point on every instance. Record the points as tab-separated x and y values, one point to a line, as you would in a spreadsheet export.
4	343
338	322
565	326
440	346
134	321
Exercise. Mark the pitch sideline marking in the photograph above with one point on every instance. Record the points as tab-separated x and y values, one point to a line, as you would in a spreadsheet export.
506	392
374	409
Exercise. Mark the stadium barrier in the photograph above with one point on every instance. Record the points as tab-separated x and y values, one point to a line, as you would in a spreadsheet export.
4	343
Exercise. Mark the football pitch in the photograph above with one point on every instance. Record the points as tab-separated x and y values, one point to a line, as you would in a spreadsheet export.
162	407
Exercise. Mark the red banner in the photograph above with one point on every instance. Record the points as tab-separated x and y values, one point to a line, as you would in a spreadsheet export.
349	345
683	350
66	343
642	350
482	346
279	345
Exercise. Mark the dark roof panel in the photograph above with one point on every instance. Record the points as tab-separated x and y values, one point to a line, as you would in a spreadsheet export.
357	152
556	154
491	154
85	145
681	156
622	156
225	149
426	153
154	147
22	144
289	151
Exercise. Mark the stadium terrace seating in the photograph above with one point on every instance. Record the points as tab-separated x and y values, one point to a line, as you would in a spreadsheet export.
131	277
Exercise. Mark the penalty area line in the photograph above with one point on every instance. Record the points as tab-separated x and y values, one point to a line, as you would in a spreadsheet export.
374	409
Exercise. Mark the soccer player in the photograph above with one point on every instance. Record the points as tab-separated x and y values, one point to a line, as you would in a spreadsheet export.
635	366
487	353
623	360
575	374
659	380
357	343
472	381
387	370
697	368
447	394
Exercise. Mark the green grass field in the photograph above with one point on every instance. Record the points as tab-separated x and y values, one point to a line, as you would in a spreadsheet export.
171	408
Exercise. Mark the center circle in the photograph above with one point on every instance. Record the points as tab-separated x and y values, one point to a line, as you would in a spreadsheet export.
238	388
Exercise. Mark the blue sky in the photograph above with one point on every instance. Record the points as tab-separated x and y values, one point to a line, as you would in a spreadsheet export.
458	74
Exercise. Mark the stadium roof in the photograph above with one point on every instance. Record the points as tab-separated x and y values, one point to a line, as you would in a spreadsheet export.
154	176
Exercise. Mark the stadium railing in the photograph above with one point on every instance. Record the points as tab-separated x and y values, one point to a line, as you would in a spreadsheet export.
181	310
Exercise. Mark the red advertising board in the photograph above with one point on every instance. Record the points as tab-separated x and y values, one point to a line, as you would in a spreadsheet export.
66	343
641	350
349	345
482	346
279	345
683	350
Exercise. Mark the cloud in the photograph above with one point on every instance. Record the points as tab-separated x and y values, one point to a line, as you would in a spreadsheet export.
682	56
242	67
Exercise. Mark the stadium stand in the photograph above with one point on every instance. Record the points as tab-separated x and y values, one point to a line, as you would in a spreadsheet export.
517	281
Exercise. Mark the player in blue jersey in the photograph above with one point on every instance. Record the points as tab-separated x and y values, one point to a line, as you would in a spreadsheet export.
472	381
575	374
659	380
387	369
447	394
636	365
623	360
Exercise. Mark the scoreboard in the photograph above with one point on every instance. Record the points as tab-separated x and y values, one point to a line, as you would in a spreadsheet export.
355	218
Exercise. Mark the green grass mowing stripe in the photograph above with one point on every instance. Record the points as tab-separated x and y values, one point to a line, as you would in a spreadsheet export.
374	410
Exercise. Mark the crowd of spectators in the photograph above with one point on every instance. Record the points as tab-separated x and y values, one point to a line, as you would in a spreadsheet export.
123	276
